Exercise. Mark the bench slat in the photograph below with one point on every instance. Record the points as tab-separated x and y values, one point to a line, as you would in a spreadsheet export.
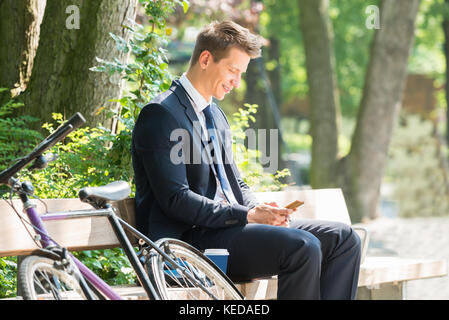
376	270
373	272
322	204
89	233
95	233
86	233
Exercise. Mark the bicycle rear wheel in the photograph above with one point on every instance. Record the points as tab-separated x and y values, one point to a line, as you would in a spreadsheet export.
40	278
173	284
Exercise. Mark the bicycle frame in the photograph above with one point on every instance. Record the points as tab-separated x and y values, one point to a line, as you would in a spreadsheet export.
119	226
116	223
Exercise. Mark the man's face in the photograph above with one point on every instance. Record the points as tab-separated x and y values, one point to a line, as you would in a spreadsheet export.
222	76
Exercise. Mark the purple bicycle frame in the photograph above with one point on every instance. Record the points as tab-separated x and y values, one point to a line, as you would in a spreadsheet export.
45	241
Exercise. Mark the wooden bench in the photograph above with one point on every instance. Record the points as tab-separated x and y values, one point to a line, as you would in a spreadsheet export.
380	277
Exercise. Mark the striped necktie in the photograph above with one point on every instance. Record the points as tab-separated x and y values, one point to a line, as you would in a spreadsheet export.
210	125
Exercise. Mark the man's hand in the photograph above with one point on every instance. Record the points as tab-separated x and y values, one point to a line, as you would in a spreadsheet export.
269	213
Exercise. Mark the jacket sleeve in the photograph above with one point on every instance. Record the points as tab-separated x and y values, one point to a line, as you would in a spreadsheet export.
168	179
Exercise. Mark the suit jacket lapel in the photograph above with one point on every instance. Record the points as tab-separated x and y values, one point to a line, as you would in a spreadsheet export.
191	114
189	111
223	134
177	88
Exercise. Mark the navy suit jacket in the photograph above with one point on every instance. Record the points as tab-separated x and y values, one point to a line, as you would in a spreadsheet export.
172	197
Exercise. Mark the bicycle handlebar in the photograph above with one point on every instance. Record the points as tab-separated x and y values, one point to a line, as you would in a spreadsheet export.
76	121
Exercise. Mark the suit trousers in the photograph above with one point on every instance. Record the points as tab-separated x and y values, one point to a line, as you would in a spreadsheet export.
313	259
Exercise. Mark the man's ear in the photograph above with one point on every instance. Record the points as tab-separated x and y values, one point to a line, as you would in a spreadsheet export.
205	58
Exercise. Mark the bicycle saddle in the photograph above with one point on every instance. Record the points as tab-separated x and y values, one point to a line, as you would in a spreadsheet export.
114	191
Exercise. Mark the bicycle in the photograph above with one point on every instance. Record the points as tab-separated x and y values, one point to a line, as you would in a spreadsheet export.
163	268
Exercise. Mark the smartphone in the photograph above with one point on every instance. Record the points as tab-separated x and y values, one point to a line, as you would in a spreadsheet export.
295	204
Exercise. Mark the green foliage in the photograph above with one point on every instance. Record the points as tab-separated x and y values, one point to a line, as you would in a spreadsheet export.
351	40
15	137
427	56
96	156
415	171
8	282
145	75
148	75
296	134
248	160
84	159
280	19
15	140
111	265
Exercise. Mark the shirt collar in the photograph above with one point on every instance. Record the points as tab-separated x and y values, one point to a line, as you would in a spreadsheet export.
199	103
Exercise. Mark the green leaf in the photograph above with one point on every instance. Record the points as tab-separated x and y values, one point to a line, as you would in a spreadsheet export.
185	5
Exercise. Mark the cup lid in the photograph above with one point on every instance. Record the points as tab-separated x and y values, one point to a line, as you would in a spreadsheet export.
216	252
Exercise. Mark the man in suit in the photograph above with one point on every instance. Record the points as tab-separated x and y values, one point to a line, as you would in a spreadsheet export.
189	188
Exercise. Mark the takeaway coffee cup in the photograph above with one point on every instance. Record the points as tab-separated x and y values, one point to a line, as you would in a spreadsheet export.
219	257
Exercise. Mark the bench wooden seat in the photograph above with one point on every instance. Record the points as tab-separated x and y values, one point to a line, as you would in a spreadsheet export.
87	233
382	276
379	276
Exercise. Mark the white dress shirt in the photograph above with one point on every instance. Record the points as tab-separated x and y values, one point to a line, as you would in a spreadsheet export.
199	104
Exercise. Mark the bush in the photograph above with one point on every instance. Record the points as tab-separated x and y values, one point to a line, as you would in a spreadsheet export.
8	267
15	140
415	171
83	159
248	160
15	137
97	156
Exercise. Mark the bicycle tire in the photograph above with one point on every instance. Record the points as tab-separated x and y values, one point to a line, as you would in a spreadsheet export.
172	285
39	278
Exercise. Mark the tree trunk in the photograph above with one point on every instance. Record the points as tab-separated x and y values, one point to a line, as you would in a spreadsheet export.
363	168
19	36
445	26
256	94
61	81
274	76
274	53
324	113
258	91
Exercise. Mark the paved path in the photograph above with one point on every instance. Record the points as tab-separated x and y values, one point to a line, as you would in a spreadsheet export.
414	238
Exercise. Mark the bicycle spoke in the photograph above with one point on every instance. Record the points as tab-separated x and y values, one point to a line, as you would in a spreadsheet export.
196	283
176	280
187	274
38	283
41	280
48	283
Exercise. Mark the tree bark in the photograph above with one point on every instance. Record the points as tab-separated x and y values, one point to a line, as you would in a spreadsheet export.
273	53
258	91
19	37
317	33
256	94
445	25
362	170
274	75
61	81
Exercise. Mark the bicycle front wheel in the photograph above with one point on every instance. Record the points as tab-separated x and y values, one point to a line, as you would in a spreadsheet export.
40	278
197	279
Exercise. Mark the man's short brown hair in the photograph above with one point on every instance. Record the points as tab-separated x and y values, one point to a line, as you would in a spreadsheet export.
218	37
